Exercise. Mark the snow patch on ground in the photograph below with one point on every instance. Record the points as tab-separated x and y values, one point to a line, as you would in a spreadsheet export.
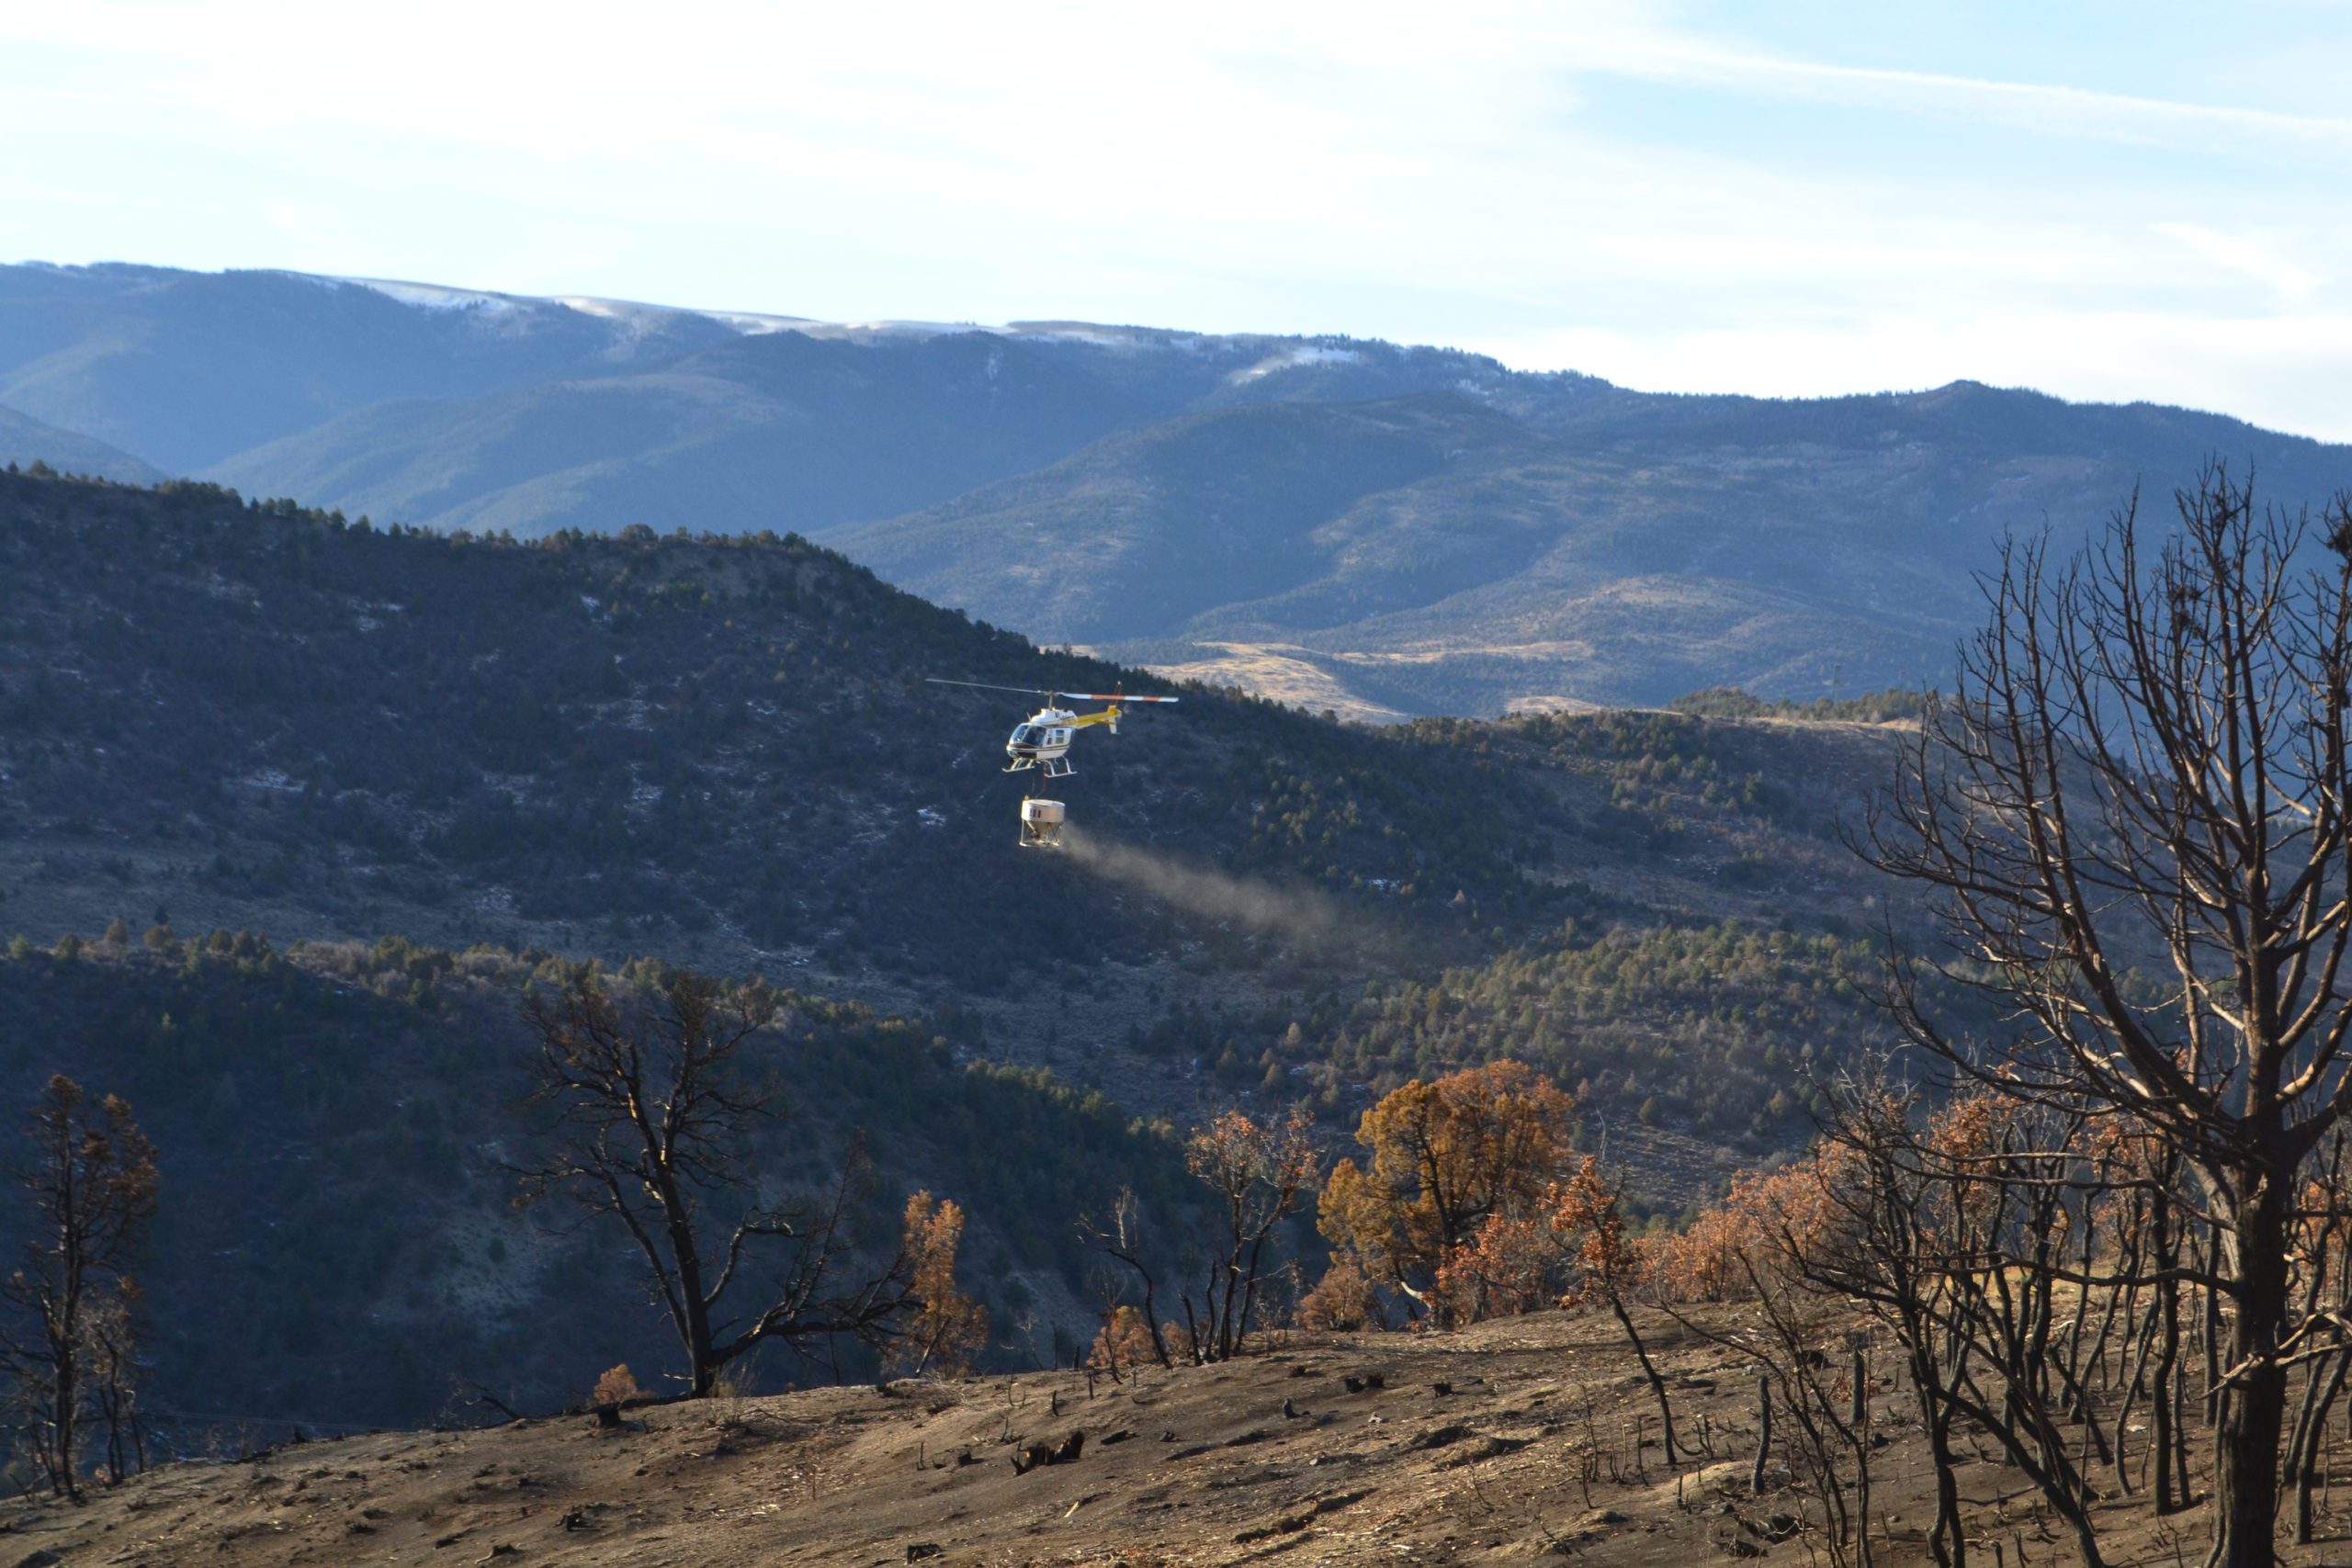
611	310
637	318
434	297
1117	340
632	316
752	324
1296	356
858	331
631	321
516	311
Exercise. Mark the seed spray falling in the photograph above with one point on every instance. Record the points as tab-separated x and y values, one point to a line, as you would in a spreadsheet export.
1306	917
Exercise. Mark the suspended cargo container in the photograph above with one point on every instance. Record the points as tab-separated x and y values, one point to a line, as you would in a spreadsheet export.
1041	824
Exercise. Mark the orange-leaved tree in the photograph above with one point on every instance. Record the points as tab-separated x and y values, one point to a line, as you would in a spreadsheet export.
1441	1156
948	1328
1345	1298
1125	1342
1610	1267
1518	1263
1728	1252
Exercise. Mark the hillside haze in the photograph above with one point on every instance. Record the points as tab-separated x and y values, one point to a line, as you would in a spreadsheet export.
1381	530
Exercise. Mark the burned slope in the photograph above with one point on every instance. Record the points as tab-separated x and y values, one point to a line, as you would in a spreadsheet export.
1544	1449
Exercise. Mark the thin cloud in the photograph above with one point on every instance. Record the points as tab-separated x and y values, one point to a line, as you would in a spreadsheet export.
2294	284
2049	107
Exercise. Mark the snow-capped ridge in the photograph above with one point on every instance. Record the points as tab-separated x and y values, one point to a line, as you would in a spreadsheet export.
633	320
1296	356
436	296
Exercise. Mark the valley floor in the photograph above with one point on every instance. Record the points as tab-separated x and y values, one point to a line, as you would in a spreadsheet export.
1542	1446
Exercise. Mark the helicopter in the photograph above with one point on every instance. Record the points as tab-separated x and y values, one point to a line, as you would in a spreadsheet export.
1042	742
1043	739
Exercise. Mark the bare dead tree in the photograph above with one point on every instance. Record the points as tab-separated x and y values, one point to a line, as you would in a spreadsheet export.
1781	1330
2321	1265
113	1381
1119	1235
652	1112
2134	814
2005	1201
1893	1243
1257	1176
90	1175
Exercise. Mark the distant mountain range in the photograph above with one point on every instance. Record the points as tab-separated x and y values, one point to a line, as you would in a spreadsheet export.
1377	529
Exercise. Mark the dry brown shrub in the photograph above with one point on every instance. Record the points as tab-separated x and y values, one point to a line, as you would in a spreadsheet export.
615	1387
1125	1341
1343	1300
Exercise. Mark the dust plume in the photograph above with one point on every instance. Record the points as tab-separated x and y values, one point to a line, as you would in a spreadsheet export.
1302	916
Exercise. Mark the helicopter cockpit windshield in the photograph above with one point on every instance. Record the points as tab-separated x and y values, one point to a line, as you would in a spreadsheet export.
1028	734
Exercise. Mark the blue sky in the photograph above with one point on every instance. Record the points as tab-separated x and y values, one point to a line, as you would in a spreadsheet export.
2102	200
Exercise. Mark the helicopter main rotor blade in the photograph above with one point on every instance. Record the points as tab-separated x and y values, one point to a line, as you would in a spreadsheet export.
984	686
1109	697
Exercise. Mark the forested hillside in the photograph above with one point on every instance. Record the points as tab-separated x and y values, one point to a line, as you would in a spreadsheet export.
255	715
724	751
339	1241
1725	957
723	746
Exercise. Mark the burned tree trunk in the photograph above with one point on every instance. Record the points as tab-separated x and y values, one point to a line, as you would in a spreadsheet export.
650	1113
2146	771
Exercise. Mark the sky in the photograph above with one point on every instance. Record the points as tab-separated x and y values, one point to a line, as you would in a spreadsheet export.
2102	200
